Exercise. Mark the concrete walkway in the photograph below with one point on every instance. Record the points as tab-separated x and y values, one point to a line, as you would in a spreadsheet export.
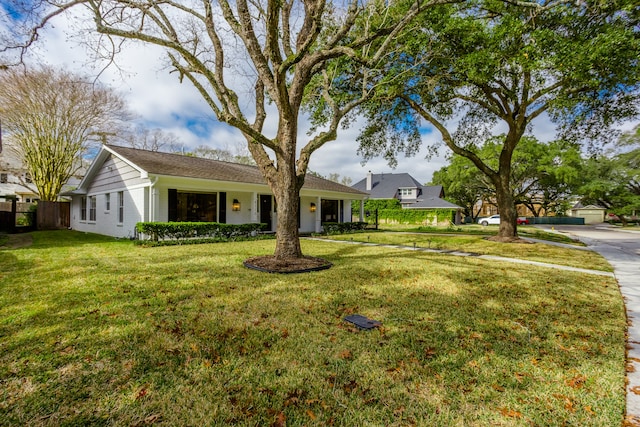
488	257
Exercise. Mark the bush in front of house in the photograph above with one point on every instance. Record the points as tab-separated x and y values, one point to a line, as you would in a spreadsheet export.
343	227
179	233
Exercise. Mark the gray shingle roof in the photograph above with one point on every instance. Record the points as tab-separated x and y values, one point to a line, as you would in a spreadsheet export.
385	185
168	164
432	203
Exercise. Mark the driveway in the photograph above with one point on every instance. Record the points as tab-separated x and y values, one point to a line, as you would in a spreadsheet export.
622	250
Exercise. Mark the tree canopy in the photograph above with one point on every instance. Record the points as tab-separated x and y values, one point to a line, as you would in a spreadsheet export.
286	51
496	67
50	116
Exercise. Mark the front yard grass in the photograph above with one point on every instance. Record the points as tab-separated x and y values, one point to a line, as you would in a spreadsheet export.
101	332
539	252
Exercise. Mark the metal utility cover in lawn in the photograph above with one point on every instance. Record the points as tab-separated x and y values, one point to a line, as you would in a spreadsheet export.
362	322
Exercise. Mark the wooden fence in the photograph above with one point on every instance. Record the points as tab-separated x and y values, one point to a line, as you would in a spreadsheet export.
53	215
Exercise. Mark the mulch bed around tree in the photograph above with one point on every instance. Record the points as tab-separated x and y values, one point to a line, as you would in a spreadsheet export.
271	264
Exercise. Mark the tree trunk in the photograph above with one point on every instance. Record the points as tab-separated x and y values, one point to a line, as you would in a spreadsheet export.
623	220
287	194
285	184
506	208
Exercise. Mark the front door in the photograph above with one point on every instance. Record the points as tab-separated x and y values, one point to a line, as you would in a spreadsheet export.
265	210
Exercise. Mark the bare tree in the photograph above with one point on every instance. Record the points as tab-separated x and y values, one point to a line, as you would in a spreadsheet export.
291	50
239	155
50	117
150	139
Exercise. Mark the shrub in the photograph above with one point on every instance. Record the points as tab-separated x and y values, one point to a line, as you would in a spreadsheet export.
343	227
196	232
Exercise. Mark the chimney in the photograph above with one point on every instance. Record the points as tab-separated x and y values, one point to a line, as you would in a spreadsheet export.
369	181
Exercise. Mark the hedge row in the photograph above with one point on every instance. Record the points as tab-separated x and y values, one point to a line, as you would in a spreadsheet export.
186	232
415	216
343	227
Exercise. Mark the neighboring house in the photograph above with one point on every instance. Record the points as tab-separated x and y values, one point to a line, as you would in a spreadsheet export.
124	186
592	214
14	178
404	188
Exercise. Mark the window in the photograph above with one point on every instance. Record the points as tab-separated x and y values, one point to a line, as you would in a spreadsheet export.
92	208
120	207
4	178
329	211
196	207
107	202
83	208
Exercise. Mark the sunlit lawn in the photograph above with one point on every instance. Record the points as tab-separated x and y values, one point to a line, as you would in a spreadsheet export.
478	244
100	332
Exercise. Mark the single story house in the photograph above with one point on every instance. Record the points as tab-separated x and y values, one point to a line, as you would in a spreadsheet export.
407	190
124	186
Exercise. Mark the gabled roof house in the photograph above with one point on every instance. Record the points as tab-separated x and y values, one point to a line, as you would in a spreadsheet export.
402	186
124	186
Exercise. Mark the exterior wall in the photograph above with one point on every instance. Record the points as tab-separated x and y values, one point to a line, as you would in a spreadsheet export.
114	176
308	219
245	194
591	216
106	221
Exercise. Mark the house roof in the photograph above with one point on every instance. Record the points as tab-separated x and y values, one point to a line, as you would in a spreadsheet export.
579	205
432	203
178	165
385	185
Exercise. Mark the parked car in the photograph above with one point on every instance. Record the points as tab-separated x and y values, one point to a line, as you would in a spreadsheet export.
522	220
492	220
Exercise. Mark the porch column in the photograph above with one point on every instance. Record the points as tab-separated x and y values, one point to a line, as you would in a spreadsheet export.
318	212
255	218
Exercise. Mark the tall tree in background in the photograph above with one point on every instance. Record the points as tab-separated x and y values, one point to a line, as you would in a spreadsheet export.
143	138
284	50
544	176
50	117
500	66
238	155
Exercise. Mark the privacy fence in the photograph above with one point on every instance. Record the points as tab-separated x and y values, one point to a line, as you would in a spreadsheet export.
16	217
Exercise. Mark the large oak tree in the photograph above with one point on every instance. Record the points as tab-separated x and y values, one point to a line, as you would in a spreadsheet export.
472	72
283	49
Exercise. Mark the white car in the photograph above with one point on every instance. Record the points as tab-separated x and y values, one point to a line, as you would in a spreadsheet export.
492	220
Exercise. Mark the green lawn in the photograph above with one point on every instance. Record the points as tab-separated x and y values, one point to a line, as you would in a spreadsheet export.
100	332
539	252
